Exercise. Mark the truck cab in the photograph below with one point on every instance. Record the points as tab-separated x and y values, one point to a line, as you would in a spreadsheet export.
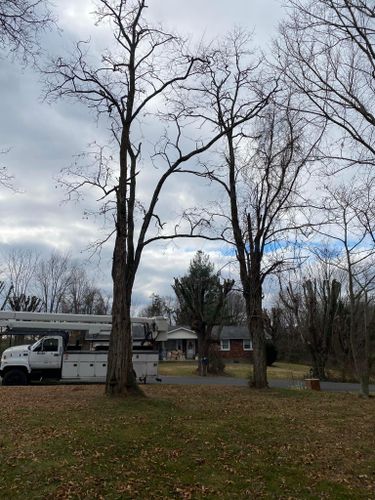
43	359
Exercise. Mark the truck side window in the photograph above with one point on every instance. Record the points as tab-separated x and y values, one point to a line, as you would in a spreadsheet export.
51	345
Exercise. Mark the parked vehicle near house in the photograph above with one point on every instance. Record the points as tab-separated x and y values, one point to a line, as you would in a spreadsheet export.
77	352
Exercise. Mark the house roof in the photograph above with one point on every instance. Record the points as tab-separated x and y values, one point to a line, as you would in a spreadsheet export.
234	332
226	332
172	328
181	333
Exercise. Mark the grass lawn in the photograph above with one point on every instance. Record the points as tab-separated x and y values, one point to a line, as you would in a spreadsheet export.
241	370
188	442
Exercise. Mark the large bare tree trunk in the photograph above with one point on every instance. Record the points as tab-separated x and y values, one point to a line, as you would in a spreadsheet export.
319	361
256	328
121	379
360	342
120	376
365	373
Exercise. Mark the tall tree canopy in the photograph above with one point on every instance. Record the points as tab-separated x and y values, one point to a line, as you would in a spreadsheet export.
21	23
326	53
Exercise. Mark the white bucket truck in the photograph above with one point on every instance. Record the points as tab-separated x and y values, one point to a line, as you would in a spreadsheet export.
73	347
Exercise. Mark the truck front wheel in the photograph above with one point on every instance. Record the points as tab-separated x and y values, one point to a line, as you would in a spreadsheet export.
15	377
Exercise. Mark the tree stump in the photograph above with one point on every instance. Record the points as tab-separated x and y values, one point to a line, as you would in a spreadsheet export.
312	384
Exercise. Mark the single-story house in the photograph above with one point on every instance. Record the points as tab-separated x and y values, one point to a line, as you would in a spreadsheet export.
182	343
235	342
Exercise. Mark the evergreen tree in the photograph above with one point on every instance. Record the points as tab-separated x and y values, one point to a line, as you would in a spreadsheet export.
201	296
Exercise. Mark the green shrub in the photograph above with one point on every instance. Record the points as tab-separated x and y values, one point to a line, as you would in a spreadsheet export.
271	353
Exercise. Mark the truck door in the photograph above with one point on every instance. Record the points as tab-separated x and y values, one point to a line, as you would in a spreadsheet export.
46	354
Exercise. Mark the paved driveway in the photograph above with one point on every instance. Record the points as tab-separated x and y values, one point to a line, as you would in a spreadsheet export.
325	386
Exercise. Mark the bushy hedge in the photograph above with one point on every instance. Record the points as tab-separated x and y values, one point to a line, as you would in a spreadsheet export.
271	353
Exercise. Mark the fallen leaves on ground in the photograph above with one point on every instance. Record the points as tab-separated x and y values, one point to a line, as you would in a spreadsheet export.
190	442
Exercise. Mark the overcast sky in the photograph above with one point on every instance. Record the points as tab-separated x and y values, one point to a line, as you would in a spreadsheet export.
43	138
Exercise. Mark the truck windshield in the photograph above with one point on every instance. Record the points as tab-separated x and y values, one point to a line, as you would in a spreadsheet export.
37	346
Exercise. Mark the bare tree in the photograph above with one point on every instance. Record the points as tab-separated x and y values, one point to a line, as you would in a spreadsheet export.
78	287
29	303
5	292
6	180
314	305
96	302
160	306
326	53
261	176
281	326
264	225
52	284
20	269
354	240
21	23
235	309
53	279
132	82
82	296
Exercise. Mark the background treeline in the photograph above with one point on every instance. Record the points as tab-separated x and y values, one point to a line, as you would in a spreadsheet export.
54	283
313	317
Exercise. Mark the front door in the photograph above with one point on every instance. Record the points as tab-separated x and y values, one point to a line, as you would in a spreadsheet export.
190	349
46	354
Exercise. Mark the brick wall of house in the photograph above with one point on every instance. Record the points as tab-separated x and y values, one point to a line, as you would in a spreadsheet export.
236	351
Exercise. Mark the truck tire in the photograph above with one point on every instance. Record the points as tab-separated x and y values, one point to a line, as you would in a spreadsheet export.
15	376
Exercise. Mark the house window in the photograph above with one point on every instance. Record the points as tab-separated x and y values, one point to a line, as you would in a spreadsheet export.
225	345
247	345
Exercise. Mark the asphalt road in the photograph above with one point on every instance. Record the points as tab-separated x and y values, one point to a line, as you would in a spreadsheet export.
242	382
285	384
